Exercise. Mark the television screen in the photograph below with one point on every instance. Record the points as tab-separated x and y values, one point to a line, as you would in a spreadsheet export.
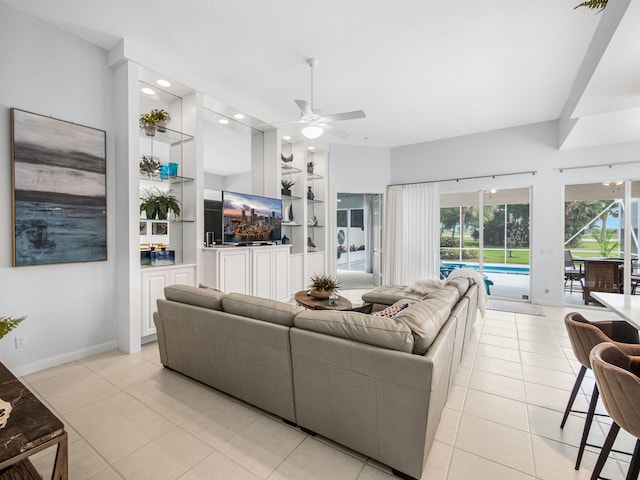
250	218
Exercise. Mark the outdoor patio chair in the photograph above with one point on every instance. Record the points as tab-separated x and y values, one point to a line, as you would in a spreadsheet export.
572	273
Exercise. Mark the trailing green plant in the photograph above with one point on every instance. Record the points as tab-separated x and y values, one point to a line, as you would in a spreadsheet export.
7	324
324	283
157	203
593	4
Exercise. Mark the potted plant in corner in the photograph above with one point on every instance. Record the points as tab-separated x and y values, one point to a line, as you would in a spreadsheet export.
286	187
157	203
322	286
148	123
161	119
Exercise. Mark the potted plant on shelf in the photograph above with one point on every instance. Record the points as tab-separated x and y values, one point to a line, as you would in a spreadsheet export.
286	186
149	165
157	203
161	118
148	123
310	166
322	286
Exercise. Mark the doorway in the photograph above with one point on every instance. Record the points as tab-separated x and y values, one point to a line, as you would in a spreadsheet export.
358	240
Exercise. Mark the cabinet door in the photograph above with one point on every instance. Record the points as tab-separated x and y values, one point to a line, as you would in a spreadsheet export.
183	276
234	271
281	274
153	284
263	277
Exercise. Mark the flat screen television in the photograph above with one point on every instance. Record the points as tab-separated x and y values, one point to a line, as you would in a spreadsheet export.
250	219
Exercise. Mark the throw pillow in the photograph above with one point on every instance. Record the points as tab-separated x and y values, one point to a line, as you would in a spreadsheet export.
391	311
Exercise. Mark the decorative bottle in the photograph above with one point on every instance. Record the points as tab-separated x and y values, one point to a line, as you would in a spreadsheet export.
310	195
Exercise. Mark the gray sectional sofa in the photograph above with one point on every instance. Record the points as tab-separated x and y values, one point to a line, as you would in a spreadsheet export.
374	384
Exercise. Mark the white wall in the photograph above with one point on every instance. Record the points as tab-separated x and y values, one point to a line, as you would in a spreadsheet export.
69	307
530	147
354	169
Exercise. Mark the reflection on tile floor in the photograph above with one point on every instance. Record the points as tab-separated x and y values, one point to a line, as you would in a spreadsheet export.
129	418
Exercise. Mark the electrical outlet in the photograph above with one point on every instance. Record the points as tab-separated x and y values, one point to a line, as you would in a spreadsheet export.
21	342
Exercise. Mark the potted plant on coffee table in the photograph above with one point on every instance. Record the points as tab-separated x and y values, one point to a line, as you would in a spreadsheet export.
157	203
323	285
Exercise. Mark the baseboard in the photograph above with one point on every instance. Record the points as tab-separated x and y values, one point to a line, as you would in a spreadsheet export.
67	357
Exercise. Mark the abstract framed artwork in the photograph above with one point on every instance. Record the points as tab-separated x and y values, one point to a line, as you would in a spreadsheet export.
59	191
160	228
143	228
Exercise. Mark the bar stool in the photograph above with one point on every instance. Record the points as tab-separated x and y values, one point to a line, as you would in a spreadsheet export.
617	377
584	335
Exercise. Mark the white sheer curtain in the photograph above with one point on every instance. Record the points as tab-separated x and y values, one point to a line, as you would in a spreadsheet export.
411	233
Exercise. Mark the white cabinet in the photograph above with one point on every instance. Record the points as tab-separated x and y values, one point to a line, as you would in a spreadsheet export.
262	271
154	279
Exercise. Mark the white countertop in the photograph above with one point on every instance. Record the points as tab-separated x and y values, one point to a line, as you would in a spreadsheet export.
627	306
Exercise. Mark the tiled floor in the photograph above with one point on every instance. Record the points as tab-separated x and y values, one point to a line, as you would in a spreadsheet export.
128	418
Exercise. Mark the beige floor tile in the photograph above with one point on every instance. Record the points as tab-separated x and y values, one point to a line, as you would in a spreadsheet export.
106	474
538	337
129	434
437	466
218	467
499	352
448	426
316	460
84	461
550	378
81	395
263	445
546	361
463	376
150	352
541	348
498	385
455	400
221	421
499	366
133	375
545	422
103	413
111	361
499	341
372	473
556	461
54	380
499	443
553	398
166	457
467	466
498	409
501	316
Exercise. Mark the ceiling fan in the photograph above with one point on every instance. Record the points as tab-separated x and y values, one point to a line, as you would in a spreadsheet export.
313	122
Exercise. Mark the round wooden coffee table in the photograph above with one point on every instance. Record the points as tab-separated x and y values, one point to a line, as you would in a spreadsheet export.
303	298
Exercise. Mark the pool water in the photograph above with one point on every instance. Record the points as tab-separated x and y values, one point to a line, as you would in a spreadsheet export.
489	268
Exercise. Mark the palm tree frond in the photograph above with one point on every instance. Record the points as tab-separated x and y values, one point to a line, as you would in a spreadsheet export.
593	4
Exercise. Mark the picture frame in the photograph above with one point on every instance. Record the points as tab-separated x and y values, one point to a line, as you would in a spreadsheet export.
143	228
58	183
159	228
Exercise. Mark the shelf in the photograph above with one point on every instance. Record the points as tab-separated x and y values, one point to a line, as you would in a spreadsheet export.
172	137
283	224
315	226
171	179
287	169
314	201
314	176
179	220
290	197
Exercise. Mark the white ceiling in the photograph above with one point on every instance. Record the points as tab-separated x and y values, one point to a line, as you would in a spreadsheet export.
420	69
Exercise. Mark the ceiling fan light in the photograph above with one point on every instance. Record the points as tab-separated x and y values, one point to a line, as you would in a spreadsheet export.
312	131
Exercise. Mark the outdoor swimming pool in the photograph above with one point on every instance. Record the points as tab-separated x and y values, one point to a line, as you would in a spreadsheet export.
493	268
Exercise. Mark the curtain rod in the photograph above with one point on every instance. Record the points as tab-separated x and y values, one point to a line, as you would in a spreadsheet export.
610	165
527	172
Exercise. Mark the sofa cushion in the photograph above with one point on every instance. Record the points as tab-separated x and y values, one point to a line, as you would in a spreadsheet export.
259	308
359	327
200	297
461	283
390	294
426	318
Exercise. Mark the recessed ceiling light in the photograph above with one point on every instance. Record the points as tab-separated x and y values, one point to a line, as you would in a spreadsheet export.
163	83
286	137
148	91
239	116
311	148
223	121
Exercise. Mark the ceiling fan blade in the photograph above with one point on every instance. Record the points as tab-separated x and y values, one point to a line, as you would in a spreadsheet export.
335	131
344	116
304	107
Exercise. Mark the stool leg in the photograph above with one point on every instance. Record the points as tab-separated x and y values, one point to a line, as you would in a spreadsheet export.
634	466
606	449
574	393
587	425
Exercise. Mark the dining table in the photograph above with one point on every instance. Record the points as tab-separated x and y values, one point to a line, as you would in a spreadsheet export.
625	305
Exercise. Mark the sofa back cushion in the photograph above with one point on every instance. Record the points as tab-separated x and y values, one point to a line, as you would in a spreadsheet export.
461	283
359	327
200	297
259	308
426	318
